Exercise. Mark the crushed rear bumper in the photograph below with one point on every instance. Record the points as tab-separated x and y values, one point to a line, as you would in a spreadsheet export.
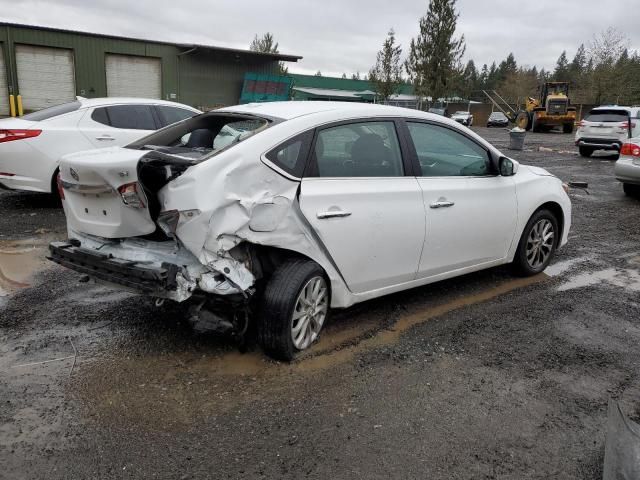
106	267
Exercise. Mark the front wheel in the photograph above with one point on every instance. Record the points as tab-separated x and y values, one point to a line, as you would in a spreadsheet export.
295	306
537	244
567	128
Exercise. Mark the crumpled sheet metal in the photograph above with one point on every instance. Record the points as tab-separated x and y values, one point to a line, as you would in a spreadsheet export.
243	200
622	447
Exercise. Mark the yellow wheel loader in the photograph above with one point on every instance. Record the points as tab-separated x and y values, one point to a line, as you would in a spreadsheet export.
553	109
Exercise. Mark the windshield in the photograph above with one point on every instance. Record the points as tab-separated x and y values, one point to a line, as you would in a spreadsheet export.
54	111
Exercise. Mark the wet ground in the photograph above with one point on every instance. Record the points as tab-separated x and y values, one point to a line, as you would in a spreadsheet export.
484	376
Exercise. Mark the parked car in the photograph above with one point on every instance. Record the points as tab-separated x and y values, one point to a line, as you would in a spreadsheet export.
465	118
497	119
31	146
607	128
439	111
317	205
627	168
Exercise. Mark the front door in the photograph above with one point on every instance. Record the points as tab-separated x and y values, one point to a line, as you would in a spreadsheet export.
471	212
367	213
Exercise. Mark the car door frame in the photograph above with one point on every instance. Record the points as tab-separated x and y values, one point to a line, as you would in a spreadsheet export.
311	170
492	162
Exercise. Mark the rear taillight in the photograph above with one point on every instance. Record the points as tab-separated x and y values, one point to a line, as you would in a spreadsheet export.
627	125
630	149
11	135
7	174
132	195
59	184
582	123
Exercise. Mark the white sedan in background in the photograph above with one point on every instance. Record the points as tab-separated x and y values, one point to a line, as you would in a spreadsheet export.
465	118
315	205
31	146
627	169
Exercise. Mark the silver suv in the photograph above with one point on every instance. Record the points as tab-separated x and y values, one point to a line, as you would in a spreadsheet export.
607	128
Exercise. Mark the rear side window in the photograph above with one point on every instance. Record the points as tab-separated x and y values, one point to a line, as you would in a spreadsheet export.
607	116
131	117
169	115
291	156
366	149
100	115
51	112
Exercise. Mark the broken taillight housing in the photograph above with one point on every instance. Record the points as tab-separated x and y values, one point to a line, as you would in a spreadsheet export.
170	220
10	135
630	149
59	184
132	195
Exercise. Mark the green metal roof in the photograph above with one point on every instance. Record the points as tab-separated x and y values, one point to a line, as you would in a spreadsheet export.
336	83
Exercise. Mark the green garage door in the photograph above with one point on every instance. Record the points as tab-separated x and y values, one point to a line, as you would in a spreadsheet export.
45	76
132	76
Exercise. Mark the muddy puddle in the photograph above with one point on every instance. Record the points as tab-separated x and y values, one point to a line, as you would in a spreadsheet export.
20	260
186	385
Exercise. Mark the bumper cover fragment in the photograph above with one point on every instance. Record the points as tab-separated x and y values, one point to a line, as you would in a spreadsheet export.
105	267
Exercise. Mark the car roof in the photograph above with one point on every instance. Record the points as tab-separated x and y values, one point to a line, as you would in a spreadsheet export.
611	107
105	101
294	109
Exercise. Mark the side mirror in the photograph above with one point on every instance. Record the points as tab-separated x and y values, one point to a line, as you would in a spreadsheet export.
507	167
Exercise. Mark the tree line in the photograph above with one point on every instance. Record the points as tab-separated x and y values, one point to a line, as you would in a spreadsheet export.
603	71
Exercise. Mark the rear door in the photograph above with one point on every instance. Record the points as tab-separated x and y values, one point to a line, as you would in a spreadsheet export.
365	210
118	125
470	211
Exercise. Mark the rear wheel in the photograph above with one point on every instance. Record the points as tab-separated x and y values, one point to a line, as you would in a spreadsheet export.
537	244
585	151
295	306
567	128
631	190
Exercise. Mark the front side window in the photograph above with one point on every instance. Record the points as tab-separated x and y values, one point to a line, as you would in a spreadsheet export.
131	117
443	152
366	149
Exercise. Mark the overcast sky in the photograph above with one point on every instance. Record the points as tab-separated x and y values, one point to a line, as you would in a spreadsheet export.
336	36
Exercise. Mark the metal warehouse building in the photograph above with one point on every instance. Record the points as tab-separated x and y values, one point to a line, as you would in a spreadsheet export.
49	66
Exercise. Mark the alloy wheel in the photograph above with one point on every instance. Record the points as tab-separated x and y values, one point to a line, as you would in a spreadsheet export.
309	312
540	243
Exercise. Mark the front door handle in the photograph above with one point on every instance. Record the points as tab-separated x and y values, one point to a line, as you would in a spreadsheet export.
332	214
105	137
442	203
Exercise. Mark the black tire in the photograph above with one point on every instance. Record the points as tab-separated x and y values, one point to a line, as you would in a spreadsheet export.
631	190
278	303
520	264
567	128
585	151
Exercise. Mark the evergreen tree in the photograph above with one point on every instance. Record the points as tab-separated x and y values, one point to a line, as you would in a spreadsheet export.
561	73
386	74
435	53
267	44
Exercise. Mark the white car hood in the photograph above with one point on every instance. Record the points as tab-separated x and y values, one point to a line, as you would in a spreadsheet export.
536	170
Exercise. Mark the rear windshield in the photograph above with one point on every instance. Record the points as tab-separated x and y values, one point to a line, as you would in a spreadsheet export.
51	112
607	116
203	135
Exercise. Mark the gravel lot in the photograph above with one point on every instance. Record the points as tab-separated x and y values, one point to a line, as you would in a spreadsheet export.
484	376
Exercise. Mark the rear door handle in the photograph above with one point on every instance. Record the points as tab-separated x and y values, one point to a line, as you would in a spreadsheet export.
332	214
105	137
442	204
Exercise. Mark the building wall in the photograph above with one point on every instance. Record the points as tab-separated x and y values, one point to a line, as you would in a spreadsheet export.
210	79
205	77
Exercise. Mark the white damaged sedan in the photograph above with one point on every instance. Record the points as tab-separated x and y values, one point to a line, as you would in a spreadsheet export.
309	206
